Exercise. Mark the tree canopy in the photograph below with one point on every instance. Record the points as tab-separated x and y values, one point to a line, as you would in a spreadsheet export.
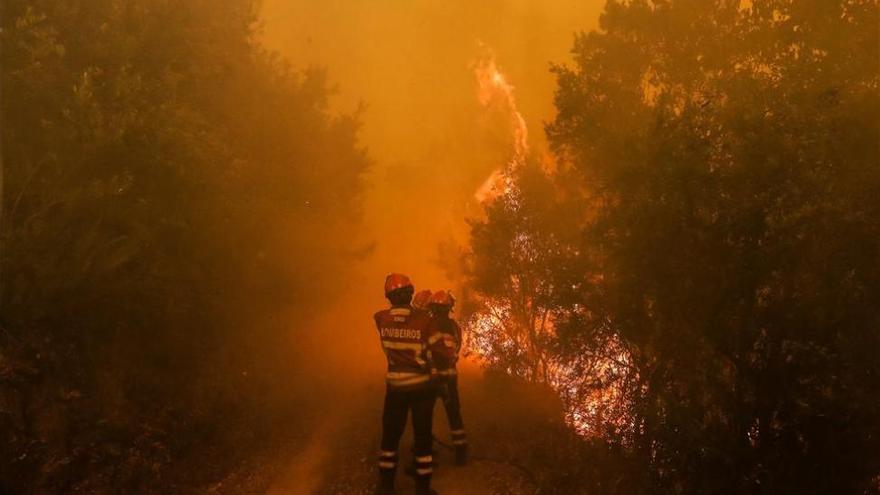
718	167
168	185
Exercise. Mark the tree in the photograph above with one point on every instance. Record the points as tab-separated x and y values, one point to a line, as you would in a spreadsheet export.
511	249
154	216
727	161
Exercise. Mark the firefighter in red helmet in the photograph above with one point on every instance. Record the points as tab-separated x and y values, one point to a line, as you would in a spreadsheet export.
445	344
420	300
403	331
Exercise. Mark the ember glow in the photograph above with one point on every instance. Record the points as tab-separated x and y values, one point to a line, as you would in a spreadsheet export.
592	385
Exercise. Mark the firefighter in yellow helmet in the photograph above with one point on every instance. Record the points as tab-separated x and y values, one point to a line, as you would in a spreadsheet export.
444	341
403	331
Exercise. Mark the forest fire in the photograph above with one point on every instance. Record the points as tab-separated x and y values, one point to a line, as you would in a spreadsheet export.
507	336
659	220
590	385
496	92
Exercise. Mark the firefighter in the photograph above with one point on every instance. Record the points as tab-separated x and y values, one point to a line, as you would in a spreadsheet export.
403	331
420	300
445	344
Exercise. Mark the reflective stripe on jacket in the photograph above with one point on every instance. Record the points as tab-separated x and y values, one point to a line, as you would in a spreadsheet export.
403	332
444	343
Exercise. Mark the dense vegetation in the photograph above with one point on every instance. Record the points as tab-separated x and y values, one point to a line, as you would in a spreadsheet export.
165	192
698	274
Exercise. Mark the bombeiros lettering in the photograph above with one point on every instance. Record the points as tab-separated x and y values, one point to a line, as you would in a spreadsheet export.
402	333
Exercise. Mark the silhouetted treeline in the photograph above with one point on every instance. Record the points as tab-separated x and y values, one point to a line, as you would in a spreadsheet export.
706	256
168	188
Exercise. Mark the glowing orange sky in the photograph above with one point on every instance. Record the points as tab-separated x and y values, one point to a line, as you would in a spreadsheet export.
411	63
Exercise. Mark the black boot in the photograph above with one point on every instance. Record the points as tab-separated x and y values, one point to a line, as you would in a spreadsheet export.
386	483
423	486
461	455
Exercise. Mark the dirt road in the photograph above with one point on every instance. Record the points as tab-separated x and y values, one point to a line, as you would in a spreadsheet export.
339	457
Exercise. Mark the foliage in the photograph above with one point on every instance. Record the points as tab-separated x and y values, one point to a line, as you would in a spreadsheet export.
165	187
522	239
725	158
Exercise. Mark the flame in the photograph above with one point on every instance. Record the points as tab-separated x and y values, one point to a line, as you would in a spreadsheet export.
492	186
592	387
496	92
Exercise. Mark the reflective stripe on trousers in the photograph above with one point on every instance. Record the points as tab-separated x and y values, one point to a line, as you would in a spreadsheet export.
424	465
398	404
387	460
459	437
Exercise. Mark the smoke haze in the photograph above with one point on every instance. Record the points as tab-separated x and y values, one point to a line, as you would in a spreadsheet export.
411	65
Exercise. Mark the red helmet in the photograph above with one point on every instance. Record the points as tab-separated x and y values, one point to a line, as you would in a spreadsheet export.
396	281
420	300
442	298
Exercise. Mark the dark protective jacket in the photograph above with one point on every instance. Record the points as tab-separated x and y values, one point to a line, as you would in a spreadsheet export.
403	331
444	343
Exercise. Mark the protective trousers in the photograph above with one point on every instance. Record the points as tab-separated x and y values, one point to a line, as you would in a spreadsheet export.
449	393
398	403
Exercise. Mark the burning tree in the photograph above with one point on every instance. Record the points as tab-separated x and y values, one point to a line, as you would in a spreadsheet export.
526	269
698	278
514	329
526	272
